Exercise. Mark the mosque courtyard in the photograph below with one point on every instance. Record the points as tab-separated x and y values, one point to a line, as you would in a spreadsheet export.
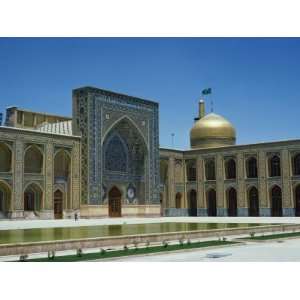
269	251
277	250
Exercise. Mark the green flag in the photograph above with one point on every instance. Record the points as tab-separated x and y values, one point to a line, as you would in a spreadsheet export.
206	91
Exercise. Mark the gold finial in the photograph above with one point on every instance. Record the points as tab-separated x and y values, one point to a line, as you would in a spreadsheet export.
201	109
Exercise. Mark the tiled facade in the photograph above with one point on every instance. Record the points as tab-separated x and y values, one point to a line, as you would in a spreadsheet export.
106	161
55	166
175	164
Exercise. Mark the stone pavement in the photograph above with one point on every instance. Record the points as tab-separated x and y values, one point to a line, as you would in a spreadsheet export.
271	251
22	224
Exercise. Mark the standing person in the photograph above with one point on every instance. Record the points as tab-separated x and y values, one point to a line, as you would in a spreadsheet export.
76	216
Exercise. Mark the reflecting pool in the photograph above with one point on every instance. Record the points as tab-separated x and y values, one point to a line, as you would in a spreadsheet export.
85	232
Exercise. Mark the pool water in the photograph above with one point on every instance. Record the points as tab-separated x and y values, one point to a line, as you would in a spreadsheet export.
85	232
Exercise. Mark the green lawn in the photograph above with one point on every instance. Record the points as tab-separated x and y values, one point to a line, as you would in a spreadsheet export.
120	253
273	236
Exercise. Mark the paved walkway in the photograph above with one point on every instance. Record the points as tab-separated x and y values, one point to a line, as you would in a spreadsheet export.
284	251
22	224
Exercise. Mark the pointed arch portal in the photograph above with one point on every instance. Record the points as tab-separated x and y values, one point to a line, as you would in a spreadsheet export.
297	201
5	197
58	204
125	159
211	203
114	202
193	203
253	202
33	198
232	202
276	201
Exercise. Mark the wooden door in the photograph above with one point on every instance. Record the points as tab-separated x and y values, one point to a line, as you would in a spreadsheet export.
253	203
212	204
114	202
29	201
193	204
232	203
1	201
297	202
276	202
58	205
254	208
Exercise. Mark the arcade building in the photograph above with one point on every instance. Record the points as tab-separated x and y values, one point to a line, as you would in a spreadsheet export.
105	161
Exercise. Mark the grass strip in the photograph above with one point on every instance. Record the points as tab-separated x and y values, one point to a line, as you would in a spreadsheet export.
129	252
272	236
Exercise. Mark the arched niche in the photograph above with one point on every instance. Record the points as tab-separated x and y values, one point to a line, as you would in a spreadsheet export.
251	167
125	157
210	170
5	158
230	169
33	197
253	202
124	149
192	197
276	201
5	197
33	160
231	202
178	200
211	203
62	163
274	166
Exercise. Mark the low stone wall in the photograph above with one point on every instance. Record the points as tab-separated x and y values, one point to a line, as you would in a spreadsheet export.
38	247
101	211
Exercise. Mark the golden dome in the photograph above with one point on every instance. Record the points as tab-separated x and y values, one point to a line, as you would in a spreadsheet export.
212	130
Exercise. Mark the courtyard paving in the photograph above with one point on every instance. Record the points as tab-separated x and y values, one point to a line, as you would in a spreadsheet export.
271	251
23	224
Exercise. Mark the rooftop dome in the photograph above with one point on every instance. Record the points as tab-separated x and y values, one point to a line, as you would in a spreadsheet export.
211	130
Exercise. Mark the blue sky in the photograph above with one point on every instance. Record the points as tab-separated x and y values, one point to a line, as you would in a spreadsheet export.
255	82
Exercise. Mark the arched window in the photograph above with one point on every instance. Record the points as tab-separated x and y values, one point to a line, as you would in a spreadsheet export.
296	164
5	158
210	170
252	167
232	202
61	166
274	166
276	201
253	202
211	203
125	152
178	200
116	155
230	169
33	160
191	172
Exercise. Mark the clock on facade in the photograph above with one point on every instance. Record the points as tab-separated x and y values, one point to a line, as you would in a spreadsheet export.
131	192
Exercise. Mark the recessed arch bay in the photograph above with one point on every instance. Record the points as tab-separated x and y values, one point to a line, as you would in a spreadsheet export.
125	157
